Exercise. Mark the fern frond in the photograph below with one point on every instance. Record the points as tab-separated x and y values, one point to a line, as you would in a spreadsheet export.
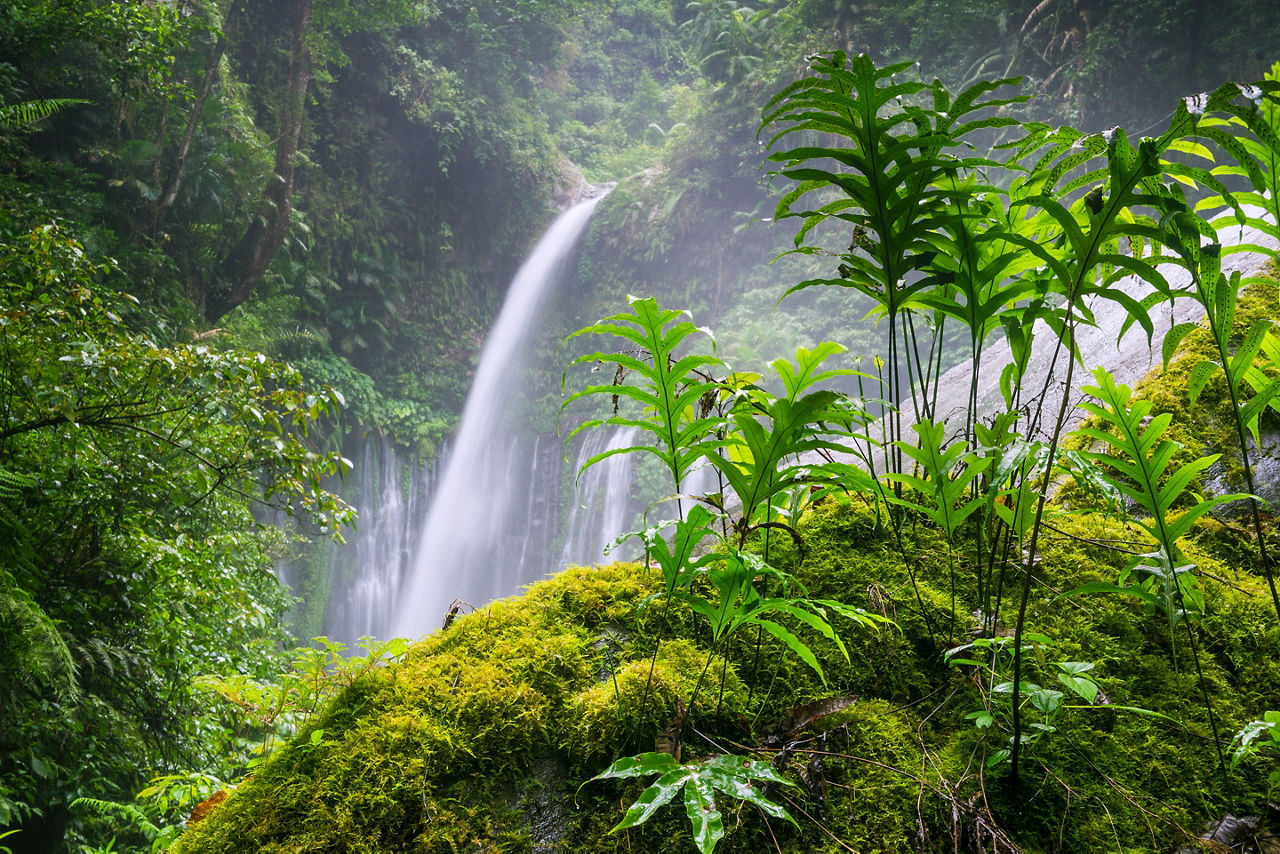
31	643
113	809
27	113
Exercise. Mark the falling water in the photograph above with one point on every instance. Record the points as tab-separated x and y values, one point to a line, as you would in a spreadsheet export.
498	498
366	576
603	507
352	586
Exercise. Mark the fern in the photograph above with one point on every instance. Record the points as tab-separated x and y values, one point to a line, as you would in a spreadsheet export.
945	493
1219	296
1088	196
161	838
675	392
27	113
759	455
1135	447
892	181
35	652
1242	122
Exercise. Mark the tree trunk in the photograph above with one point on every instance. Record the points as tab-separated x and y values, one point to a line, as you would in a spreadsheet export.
243	268
174	183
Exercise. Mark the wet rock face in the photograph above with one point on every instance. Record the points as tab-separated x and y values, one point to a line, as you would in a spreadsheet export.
1246	834
1129	357
547	804
1226	475
569	186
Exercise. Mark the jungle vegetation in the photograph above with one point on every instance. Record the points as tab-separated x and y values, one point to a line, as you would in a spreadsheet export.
238	233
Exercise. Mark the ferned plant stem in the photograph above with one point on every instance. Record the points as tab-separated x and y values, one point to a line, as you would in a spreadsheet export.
1028	564
1263	555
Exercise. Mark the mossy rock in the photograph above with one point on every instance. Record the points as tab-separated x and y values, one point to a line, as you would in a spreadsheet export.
484	736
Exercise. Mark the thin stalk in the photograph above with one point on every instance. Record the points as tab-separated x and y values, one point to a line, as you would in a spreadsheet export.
1204	693
915	588
1170	554
939	344
1263	556
697	686
916	375
1005	560
871	457
971	405
1030	560
724	672
759	643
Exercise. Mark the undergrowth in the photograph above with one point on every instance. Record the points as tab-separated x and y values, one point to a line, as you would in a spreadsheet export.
444	750
905	642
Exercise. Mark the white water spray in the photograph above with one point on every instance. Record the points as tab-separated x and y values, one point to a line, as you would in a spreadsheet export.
490	505
381	548
603	507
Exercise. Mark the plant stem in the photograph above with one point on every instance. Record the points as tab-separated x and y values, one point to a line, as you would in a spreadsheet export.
1263	557
1030	560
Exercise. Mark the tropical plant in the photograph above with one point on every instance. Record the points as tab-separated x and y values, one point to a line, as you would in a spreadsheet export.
130	816
1259	737
1137	450
991	658
896	185
29	112
936	238
676	393
730	776
944	491
262	715
755	441
1219	294
728	40
766	440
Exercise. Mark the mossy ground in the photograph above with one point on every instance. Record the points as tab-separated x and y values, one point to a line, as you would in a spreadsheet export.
480	738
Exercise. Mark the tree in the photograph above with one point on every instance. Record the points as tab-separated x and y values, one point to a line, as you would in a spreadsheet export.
243	267
313	41
131	560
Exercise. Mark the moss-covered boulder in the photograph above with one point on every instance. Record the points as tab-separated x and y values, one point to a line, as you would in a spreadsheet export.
483	736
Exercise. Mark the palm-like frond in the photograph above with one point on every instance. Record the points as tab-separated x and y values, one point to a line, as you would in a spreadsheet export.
27	113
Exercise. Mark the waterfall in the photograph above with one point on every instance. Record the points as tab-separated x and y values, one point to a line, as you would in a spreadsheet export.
366	575
602	509
497	502
346	591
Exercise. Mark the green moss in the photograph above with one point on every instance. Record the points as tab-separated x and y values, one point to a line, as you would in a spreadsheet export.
483	735
643	697
868	805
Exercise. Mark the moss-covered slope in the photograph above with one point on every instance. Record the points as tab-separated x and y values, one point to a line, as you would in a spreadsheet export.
481	737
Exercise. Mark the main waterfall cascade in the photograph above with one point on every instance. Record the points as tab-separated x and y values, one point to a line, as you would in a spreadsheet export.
494	516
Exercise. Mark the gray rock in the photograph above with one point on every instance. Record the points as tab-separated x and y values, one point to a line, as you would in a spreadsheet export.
1129	357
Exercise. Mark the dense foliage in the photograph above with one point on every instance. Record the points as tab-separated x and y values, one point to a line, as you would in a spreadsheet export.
937	236
986	682
195	192
131	561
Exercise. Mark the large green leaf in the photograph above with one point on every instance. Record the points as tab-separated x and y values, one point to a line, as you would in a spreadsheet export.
672	390
734	776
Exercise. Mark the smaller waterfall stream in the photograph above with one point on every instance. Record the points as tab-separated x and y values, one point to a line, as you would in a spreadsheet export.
601	513
382	546
346	591
498	498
